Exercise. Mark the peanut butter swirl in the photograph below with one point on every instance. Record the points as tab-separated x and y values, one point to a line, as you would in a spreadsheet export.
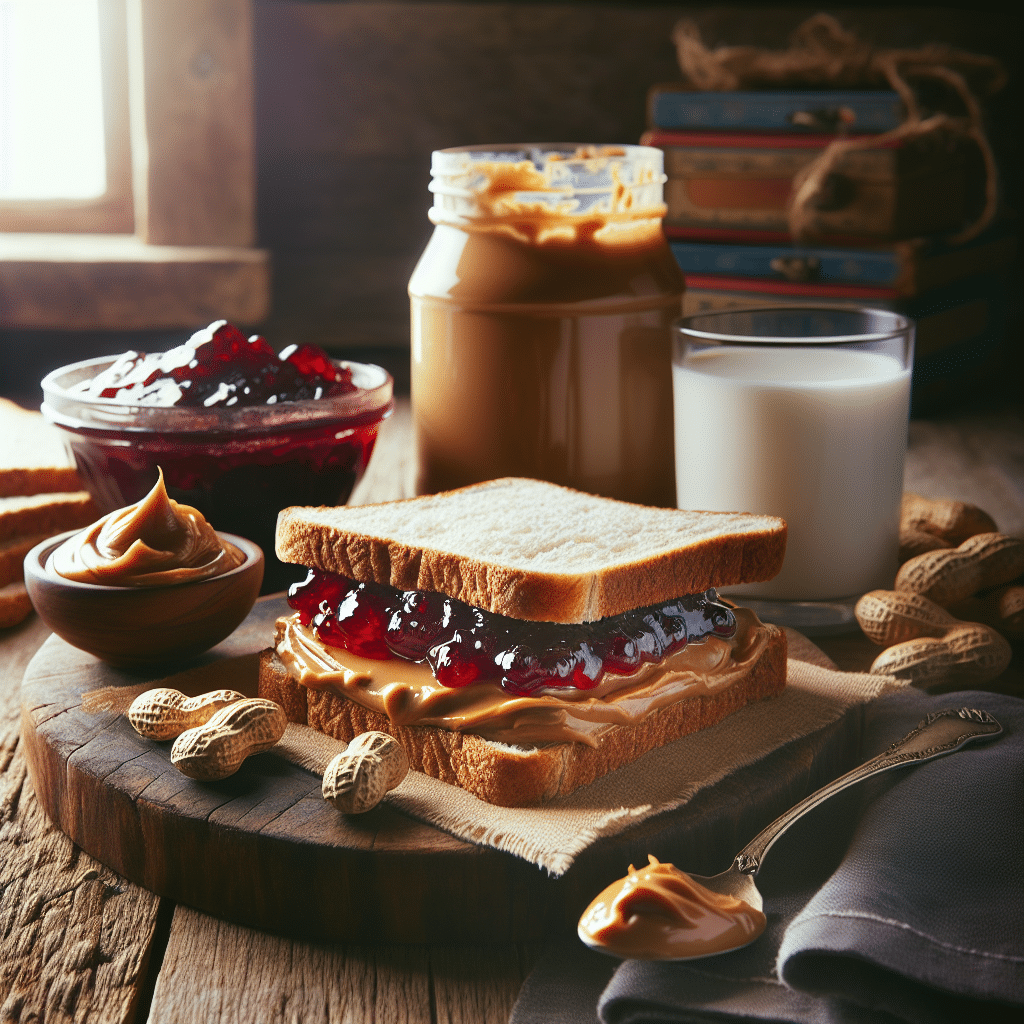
408	694
153	543
661	913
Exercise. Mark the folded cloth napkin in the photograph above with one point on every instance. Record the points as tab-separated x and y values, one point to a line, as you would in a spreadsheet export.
901	899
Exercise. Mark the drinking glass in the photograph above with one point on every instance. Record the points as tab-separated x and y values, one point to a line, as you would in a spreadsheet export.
800	413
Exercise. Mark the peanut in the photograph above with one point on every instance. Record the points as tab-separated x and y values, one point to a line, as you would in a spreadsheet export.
917	542
982	561
217	749
1001	608
890	616
163	713
930	646
357	779
950	521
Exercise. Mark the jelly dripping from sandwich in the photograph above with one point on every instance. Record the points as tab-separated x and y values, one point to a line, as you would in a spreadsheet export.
465	645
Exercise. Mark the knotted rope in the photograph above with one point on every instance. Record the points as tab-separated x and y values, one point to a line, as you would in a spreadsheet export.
823	54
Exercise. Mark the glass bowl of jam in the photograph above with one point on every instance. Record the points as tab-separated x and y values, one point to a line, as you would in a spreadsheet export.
239	431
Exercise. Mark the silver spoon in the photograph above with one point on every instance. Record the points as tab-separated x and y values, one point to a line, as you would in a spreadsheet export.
940	733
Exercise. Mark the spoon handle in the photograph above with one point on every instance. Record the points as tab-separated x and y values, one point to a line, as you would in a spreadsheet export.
940	733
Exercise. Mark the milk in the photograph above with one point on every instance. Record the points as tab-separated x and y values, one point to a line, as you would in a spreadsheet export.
814	435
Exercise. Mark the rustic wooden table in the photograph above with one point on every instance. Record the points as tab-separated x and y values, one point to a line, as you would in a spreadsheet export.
79	943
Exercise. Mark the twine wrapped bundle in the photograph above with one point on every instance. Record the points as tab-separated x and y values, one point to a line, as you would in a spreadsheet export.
822	54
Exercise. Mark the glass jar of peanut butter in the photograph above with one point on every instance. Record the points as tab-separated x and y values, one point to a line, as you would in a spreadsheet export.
541	313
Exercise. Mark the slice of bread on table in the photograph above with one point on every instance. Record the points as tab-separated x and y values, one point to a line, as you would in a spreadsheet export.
533	551
33	459
40	496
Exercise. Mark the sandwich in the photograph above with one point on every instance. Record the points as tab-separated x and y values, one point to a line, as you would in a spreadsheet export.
518	638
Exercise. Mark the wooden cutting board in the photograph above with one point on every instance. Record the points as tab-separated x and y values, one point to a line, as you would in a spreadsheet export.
263	849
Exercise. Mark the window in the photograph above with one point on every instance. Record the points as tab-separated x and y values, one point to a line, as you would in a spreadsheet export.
170	242
50	75
84	111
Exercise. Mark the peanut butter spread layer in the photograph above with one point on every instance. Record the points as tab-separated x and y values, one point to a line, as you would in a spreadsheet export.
153	543
408	694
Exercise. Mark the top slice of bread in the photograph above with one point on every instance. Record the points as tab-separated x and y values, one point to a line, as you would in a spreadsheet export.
33	459
534	550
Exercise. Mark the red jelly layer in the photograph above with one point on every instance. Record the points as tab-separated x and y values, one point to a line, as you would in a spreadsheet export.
464	645
219	366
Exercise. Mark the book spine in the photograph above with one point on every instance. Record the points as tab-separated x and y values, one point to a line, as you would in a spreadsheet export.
758	286
789	263
809	112
702	233
713	300
748	140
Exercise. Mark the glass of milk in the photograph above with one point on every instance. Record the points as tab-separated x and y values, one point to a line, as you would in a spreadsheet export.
800	413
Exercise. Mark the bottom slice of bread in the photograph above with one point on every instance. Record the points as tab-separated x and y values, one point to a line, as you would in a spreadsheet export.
522	776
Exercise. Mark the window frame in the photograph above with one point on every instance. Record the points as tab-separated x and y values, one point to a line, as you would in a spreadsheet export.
172	242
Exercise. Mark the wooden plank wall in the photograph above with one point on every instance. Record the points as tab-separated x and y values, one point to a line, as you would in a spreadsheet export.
351	97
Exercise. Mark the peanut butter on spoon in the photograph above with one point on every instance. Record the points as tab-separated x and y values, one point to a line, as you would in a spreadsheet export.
661	913
155	542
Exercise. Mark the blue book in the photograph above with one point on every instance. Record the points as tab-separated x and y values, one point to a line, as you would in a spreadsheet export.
855	111
907	268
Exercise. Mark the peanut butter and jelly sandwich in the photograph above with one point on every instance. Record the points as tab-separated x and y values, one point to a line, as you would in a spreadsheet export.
521	639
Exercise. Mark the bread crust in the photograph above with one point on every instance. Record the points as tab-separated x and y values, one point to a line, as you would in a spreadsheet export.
517	776
375	543
45	514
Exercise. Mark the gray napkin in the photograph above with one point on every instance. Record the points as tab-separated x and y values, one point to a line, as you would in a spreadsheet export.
901	899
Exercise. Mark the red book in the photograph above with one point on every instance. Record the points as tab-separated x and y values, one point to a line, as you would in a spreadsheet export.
738	185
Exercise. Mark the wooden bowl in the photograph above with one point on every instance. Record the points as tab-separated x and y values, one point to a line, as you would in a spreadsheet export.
135	627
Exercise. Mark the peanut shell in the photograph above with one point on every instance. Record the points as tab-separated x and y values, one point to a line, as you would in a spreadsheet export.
374	763
969	654
980	562
951	521
892	616
218	748
164	713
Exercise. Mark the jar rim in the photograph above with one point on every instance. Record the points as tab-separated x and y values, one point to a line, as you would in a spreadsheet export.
374	396
562	180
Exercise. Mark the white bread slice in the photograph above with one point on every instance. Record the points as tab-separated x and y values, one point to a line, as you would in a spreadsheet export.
522	776
33	459
535	550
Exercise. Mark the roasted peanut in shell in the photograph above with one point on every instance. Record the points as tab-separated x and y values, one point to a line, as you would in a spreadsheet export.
357	779
217	749
926	645
164	713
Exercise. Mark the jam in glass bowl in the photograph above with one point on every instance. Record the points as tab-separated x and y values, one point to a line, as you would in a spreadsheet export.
239	432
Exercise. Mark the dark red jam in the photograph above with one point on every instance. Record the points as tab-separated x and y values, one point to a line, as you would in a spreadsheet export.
220	366
464	645
239	444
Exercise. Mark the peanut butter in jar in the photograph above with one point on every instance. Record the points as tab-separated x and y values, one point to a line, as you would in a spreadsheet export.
541	314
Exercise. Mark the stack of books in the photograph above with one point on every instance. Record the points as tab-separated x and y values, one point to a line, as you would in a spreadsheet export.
881	223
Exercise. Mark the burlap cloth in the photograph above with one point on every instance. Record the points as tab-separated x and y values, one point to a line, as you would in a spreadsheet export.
553	835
